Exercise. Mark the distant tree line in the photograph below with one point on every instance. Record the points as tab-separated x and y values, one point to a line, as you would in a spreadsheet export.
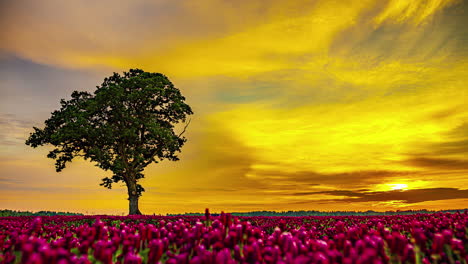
7	212
329	213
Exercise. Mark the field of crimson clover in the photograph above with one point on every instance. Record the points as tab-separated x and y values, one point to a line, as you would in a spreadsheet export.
420	238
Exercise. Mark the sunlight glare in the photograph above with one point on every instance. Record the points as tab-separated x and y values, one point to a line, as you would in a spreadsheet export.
398	186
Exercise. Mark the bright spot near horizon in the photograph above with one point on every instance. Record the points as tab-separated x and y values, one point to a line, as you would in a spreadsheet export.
398	186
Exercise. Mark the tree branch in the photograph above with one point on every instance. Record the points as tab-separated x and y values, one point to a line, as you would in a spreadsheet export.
183	131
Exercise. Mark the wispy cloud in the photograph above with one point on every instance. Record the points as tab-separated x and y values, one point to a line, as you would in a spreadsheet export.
14	130
406	196
439	163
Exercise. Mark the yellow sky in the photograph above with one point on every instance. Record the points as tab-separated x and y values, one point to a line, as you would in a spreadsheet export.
299	105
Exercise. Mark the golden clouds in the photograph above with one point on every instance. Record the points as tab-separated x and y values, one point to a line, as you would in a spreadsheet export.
364	134
192	39
399	11
269	46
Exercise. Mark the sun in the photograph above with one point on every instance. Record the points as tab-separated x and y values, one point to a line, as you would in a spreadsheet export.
398	186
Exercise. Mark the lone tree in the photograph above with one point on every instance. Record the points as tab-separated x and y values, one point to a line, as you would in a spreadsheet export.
127	124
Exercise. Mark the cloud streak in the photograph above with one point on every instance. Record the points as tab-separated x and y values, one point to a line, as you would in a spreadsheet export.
405	196
439	163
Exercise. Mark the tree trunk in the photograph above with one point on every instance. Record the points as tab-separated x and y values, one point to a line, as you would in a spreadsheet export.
133	198
133	205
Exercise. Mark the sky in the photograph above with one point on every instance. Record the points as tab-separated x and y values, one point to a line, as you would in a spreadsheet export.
299	105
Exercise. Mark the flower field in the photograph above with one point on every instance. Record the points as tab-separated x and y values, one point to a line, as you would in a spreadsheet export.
421	238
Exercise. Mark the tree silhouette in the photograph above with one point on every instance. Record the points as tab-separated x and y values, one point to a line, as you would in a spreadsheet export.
127	124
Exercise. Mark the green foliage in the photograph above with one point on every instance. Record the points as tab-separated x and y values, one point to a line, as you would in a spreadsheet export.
127	124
